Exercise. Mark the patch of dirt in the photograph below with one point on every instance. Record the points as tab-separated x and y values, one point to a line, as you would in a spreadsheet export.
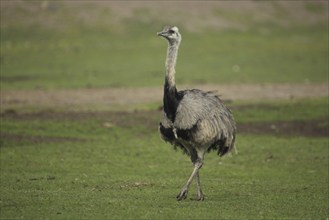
131	185
310	128
108	119
150	120
107	97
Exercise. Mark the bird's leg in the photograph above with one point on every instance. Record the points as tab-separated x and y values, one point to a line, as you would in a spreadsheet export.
183	194
200	196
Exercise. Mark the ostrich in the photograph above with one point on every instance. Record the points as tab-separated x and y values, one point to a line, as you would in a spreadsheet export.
193	120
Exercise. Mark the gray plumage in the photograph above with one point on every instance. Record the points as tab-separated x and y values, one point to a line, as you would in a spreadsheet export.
194	121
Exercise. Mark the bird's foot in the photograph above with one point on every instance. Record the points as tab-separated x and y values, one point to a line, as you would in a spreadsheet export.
200	197
199	194
182	195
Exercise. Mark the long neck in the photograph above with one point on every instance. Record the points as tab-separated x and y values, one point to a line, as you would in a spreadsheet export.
170	65
170	97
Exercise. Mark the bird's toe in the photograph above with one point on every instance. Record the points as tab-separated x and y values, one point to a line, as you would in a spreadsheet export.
182	195
200	197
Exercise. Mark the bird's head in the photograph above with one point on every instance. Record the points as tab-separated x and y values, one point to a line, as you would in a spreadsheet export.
171	33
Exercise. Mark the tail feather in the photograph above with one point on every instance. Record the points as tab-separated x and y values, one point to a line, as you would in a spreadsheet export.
226	147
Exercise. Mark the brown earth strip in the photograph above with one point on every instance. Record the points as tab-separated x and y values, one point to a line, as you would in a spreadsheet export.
77	98
310	128
150	119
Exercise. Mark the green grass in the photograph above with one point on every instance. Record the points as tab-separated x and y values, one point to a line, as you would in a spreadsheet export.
295	110
123	170
88	57
140	178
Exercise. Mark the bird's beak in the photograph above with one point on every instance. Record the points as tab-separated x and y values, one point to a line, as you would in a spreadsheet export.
162	33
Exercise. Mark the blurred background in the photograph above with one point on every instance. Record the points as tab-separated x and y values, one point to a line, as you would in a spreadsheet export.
86	44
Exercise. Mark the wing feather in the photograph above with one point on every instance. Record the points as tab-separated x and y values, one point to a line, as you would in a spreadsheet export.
201	119
197	105
206	114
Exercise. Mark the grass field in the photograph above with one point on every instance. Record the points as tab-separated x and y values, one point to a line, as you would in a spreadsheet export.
108	162
113	165
78	54
137	59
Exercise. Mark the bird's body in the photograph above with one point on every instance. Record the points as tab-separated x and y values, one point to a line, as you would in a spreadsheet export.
195	121
201	121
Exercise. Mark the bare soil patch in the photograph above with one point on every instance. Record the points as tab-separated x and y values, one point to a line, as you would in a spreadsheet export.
79	98
310	128
150	120
107	97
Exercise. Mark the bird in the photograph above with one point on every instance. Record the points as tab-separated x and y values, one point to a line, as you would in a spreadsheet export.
193	120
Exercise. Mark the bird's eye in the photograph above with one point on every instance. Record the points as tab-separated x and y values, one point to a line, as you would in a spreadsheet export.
171	32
